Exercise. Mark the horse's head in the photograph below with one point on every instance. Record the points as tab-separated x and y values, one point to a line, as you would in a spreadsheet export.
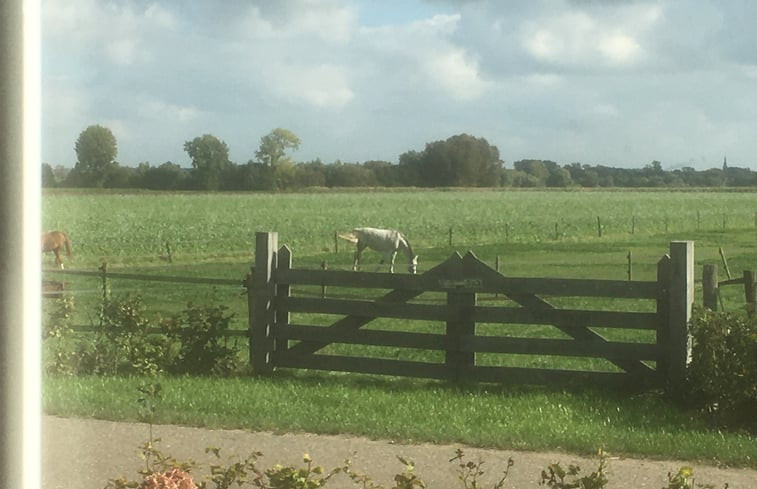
413	265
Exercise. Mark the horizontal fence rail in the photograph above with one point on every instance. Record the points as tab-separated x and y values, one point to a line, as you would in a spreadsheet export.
147	278
625	289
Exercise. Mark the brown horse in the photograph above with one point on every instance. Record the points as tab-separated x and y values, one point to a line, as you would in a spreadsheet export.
55	241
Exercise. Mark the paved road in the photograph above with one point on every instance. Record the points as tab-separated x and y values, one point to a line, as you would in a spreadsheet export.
86	453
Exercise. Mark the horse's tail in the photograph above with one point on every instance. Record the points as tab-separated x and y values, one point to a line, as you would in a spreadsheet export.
67	243
349	237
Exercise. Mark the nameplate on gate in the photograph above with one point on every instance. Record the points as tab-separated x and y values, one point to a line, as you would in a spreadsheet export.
462	283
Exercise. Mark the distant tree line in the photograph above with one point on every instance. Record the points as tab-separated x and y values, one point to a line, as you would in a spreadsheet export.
459	161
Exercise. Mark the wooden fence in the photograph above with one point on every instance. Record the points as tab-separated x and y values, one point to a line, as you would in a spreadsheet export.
711	288
276	341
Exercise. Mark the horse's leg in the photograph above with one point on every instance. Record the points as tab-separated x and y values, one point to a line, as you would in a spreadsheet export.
58	260
358	251
391	262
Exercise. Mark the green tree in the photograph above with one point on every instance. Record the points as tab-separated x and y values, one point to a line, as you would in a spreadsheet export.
536	168
272	153
460	160
96	156
48	177
210	158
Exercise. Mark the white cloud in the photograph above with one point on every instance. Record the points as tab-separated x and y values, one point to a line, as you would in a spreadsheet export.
424	55
325	20
123	34
322	86
750	71
605	110
160	17
150	108
620	48
122	51
457	74
543	79
590	38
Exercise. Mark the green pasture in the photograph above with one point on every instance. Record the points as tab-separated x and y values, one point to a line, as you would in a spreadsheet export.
529	233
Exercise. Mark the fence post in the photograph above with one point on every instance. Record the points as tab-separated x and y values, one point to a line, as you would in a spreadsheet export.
599	227
725	262
460	323
283	262
750	291
104	276
681	299
628	258
663	314
324	266
710	286
263	295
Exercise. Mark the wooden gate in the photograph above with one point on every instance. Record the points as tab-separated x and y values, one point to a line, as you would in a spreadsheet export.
276	341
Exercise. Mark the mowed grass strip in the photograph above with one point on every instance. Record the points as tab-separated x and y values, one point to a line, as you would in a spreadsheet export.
402	410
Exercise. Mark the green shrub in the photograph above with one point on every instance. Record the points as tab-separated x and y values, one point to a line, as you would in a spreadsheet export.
722	375
57	337
132	349
198	330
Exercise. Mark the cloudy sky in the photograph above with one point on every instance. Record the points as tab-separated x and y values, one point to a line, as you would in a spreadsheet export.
617	83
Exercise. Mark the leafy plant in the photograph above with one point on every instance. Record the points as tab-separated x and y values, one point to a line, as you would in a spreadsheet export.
290	477
125	325
555	477
684	479
722	375
469	472
238	473
57	333
202	347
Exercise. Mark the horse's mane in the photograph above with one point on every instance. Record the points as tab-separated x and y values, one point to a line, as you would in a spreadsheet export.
407	244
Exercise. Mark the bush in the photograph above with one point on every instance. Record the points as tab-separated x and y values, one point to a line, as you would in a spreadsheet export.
722	375
198	330
132	348
56	334
191	342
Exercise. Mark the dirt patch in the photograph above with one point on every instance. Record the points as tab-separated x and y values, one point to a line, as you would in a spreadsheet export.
85	453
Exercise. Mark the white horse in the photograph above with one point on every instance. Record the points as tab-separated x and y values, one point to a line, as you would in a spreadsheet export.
386	241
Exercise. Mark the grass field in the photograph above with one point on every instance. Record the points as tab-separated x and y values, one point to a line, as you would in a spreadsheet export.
532	233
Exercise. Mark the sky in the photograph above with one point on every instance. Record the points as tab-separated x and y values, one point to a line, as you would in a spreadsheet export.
616	83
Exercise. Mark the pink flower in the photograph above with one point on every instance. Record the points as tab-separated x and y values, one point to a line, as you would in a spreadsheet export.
173	479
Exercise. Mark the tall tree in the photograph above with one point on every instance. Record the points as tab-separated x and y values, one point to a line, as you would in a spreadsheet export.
210	158
272	153
96	155
460	160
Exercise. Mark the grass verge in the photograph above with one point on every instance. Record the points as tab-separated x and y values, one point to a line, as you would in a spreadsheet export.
403	410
